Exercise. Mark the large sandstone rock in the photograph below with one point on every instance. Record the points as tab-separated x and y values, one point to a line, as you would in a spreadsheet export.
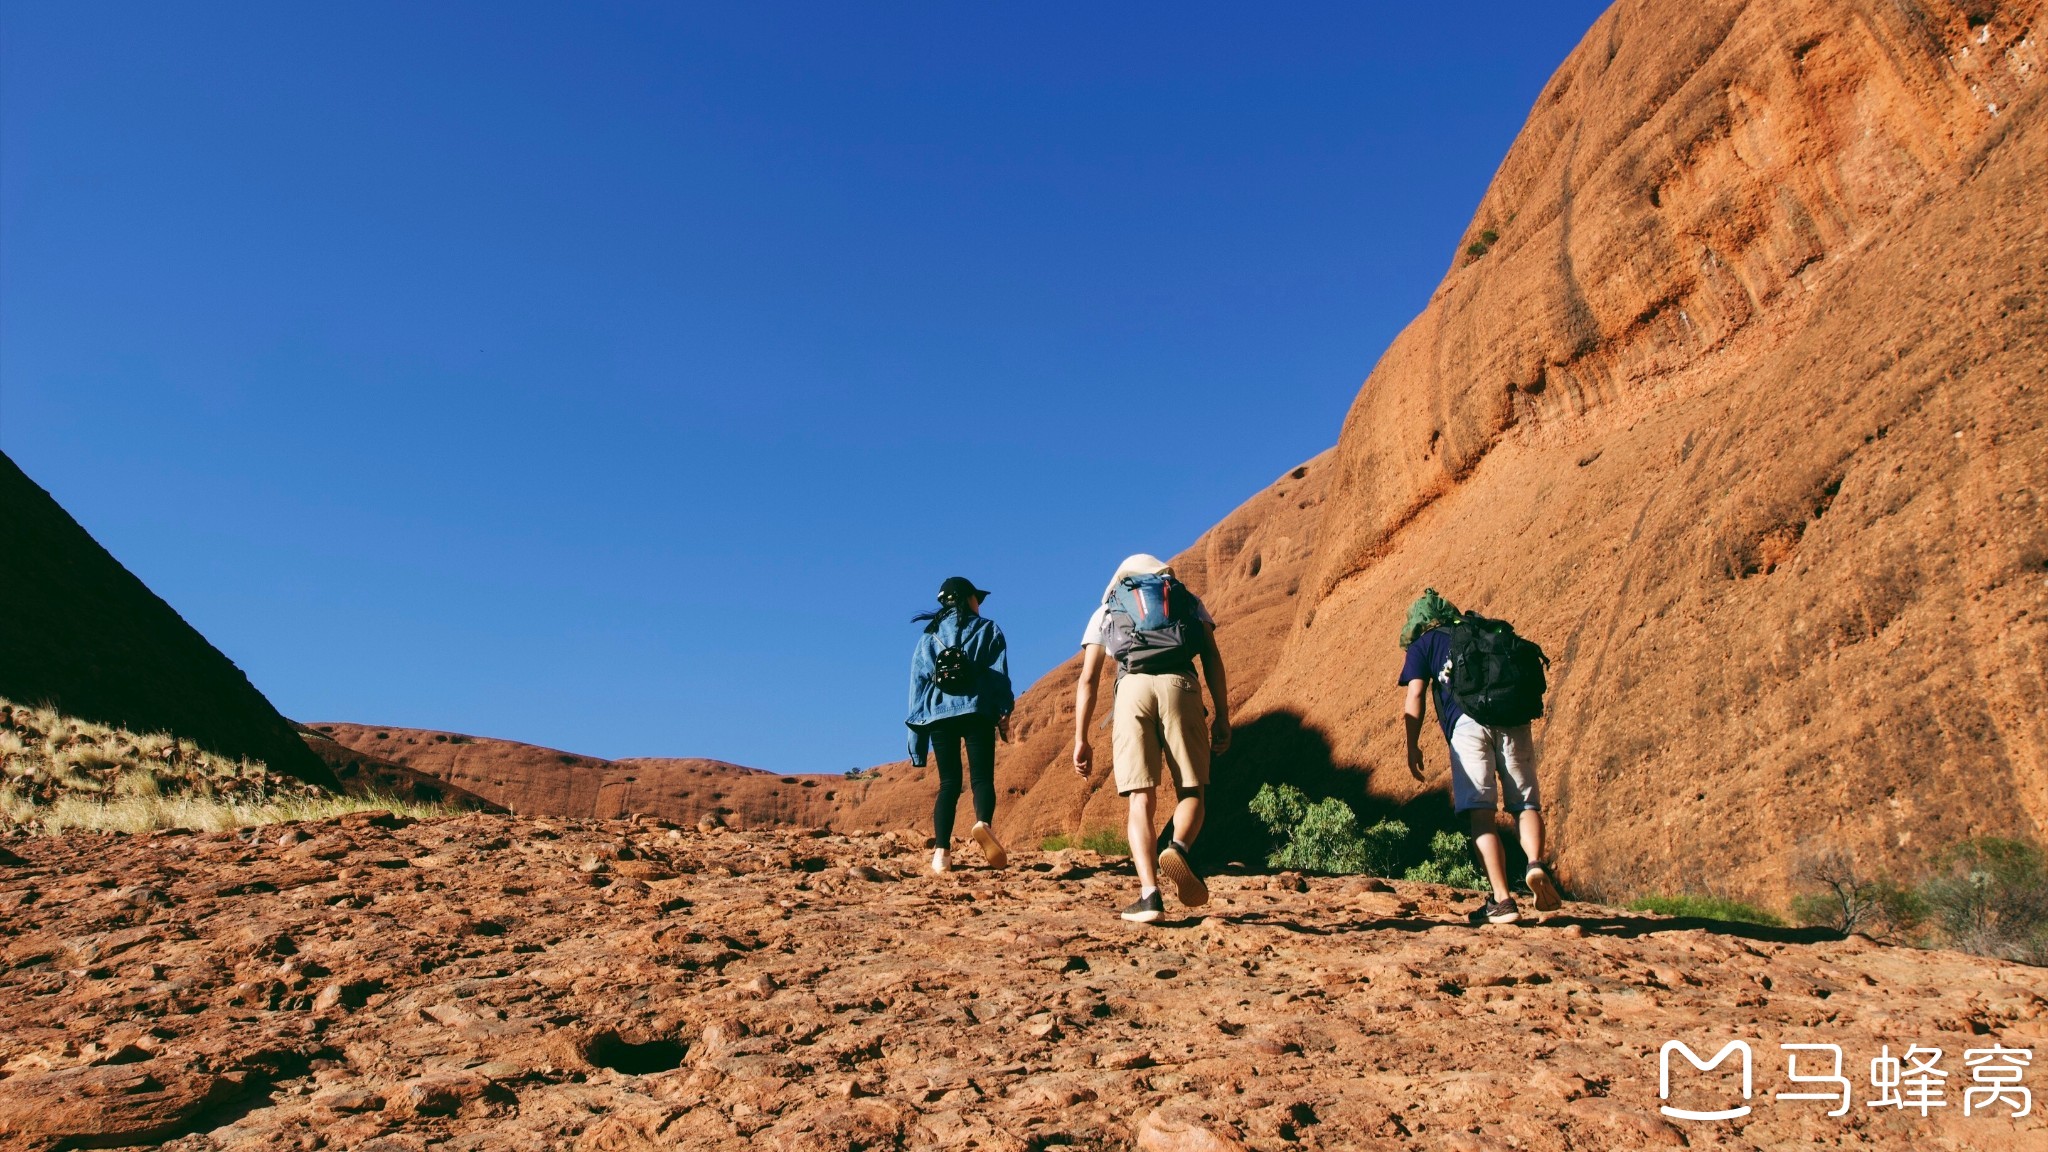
1741	415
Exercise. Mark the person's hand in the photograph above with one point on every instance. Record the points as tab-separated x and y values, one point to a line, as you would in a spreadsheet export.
1003	729
1084	757
1219	735
1415	760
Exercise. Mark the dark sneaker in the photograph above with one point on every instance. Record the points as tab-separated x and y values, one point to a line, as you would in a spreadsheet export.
1146	910
1187	883
1542	886
1496	912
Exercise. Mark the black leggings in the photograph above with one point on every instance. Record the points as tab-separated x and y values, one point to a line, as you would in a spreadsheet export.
979	734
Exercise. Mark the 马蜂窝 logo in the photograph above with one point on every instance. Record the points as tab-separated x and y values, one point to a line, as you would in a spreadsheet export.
1914	1080
1664	1079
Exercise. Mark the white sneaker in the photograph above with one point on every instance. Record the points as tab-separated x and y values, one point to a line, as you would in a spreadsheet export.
939	864
990	849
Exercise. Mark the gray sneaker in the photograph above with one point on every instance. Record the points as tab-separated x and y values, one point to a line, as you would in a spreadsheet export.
1146	910
1496	912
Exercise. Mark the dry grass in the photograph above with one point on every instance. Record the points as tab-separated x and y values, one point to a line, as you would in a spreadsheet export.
59	773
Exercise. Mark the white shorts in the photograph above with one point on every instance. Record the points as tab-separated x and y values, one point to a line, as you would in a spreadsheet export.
1479	754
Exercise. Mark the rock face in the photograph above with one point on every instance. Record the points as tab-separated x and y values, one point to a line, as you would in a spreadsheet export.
81	634
1740	414
530	779
490	982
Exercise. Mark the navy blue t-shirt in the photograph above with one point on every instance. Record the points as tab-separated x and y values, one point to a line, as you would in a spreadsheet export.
1428	658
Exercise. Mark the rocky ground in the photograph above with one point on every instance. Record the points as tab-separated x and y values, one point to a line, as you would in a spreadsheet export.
487	982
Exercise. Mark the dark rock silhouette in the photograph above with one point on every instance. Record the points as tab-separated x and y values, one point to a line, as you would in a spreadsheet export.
80	633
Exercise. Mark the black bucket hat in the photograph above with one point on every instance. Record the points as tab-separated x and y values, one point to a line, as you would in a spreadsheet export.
957	589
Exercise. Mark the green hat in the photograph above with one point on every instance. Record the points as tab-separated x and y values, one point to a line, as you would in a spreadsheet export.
1428	611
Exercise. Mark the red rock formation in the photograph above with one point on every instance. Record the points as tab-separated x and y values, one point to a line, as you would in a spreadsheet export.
1740	414
529	779
368	776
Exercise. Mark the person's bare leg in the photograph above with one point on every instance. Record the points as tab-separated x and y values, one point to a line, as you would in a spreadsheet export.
1487	840
1529	826
1138	829
1187	818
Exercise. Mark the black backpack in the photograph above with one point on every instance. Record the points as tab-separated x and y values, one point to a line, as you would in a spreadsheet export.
1496	676
952	671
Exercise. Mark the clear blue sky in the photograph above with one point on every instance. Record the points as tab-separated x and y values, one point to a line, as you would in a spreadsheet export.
621	377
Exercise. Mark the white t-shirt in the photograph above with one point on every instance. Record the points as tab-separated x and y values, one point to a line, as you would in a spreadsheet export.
1099	622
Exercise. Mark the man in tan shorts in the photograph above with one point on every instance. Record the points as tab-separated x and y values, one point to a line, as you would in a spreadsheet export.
1156	630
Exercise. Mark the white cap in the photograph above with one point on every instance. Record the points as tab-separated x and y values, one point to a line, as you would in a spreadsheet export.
1141	564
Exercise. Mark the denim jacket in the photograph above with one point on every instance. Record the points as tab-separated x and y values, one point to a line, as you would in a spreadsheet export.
993	697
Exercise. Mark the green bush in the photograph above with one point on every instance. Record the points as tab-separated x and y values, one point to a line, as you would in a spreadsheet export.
1055	842
1989	896
1324	836
1838	897
1706	908
1107	841
1449	863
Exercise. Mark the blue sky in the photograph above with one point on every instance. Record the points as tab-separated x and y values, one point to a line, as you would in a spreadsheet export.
621	377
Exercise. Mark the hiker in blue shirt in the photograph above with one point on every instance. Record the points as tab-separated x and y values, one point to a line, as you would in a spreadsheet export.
960	695
1479	754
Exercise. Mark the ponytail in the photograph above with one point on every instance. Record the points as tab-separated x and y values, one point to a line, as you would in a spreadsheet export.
948	606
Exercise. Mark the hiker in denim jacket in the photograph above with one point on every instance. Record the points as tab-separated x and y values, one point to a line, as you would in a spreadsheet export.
960	694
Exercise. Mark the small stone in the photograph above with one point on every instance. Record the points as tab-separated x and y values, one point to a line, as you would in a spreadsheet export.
1160	1131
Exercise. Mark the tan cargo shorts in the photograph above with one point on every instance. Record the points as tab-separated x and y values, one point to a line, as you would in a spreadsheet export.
1159	717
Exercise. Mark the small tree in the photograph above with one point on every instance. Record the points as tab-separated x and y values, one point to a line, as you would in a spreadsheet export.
1324	836
1841	899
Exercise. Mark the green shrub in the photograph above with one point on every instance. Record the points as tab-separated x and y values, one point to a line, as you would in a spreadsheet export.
1107	841
1837	897
1449	863
1706	908
1324	836
1055	842
1989	896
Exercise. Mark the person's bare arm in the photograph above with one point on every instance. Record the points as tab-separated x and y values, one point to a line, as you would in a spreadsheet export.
1219	692
1411	712
1084	705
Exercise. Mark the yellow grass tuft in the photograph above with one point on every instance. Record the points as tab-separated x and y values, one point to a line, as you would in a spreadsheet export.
60	774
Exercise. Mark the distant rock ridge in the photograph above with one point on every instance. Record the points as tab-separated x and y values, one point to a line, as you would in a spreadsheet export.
532	780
